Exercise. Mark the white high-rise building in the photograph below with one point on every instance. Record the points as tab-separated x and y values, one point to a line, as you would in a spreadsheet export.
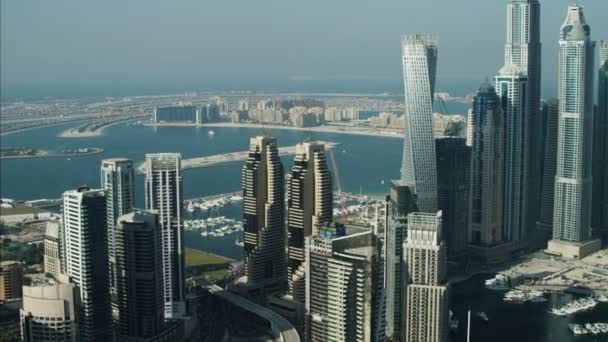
523	48
341	288
117	178
426	291
163	188
86	252
52	248
309	207
573	181
419	69
511	86
264	215
49	313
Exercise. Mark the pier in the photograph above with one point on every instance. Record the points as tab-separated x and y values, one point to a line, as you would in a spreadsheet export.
233	157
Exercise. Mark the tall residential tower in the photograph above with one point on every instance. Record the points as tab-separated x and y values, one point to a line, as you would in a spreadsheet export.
163	187
599	220
419	69
309	207
263	214
573	181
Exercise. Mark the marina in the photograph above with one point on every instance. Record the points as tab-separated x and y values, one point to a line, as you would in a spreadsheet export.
576	306
589	328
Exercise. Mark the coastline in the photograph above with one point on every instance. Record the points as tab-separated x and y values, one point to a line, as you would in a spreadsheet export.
96	150
352	130
73	133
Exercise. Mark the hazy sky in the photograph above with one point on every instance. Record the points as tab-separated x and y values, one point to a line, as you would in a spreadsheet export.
99	41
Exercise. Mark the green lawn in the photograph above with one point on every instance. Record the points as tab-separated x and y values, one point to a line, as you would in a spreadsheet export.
195	257
19	211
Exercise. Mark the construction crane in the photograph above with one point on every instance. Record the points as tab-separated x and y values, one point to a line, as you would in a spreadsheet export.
339	185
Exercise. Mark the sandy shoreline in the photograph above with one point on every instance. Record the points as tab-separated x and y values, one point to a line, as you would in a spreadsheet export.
319	129
73	132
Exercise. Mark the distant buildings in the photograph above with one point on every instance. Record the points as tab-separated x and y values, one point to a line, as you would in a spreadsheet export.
453	164
309	207
340	114
426	316
11	280
118	179
263	215
177	114
573	181
419	70
599	219
139	283
49	313
163	189
550	114
340	299
511	85
85	229
387	120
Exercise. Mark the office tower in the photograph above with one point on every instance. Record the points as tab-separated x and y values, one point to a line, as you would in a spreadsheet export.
139	275
163	187
48	313
426	303
400	203
523	48
177	114
86	252
309	206
550	112
599	218
11	280
340	296
470	123
52	249
487	158
419	70
511	86
263	214
117	178
572	208
453	164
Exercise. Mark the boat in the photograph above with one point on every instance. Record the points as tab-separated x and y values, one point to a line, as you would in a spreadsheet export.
211	133
499	283
483	316
538	299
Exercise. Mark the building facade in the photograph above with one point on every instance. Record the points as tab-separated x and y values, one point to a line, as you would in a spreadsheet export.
11	280
177	114
550	112
117	178
523	48
49	313
86	252
573	182
340	298
511	85
309	207
139	275
52	248
264	214
426	291
163	189
419	71
453	164
487	169
599	220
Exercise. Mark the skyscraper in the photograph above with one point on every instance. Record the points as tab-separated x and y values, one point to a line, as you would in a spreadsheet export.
523	48
52	249
511	84
572	208
263	214
599	219
400	203
309	207
487	158
341	287
453	164
117	178
85	229
550	112
163	187
139	275
49	313
419	70
426	303
11	280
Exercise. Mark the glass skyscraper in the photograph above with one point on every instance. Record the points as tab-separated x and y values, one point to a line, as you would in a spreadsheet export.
419	69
